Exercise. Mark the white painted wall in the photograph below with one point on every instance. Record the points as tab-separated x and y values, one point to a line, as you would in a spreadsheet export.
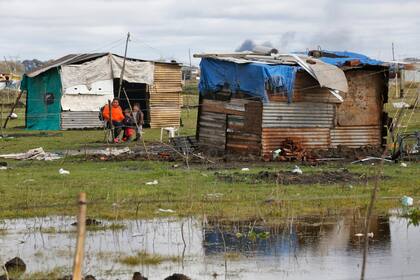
82	98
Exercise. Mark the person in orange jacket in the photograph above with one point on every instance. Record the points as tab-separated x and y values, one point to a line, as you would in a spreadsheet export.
117	117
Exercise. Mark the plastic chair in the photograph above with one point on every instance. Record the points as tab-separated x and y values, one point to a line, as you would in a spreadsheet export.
170	131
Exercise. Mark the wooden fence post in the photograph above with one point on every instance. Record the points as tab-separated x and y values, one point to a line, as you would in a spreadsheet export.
81	231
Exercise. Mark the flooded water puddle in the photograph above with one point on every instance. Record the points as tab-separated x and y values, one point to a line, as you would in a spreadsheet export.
316	248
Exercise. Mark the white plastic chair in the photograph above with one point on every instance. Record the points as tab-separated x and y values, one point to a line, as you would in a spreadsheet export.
170	131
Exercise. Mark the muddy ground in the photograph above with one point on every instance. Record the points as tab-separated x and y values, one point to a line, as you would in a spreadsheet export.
196	155
342	176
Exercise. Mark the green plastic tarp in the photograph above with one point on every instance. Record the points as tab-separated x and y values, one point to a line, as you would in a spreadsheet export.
43	101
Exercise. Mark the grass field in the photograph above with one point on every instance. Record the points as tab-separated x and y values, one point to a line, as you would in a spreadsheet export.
118	189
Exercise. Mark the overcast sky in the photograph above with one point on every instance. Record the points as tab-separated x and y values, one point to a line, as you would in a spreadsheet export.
47	29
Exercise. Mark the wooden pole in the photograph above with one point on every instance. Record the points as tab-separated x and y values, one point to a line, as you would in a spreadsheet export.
13	108
123	66
111	125
397	72
402	82
1	114
375	189
81	231
131	108
393	52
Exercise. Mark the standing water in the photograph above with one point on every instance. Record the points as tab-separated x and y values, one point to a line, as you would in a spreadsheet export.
316	248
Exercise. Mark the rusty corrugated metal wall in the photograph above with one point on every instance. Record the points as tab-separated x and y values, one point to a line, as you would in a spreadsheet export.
315	118
165	96
309	138
318	120
356	136
298	114
303	122
359	117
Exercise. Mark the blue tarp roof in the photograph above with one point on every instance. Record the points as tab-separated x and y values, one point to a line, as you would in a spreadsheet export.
251	78
348	56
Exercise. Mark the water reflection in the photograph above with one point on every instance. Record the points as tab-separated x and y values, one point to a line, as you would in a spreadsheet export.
305	234
312	247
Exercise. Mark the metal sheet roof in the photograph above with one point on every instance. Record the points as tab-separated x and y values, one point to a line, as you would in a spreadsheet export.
79	58
65	60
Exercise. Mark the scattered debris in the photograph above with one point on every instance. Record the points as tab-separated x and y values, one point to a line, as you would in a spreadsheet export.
370	159
3	167
407	201
154	182
290	150
138	276
13	116
38	154
403	164
370	234
166	210
178	276
245	169
400	105
114	151
297	170
276	153
63	171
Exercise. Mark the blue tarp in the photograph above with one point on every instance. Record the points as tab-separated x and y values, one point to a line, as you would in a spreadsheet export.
251	78
348	56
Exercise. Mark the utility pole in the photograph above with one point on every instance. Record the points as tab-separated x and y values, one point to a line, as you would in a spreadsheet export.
397	73
123	66
393	52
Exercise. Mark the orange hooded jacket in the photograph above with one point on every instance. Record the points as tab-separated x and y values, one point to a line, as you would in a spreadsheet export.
117	114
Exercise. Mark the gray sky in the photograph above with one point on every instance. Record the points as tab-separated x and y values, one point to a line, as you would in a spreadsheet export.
47	29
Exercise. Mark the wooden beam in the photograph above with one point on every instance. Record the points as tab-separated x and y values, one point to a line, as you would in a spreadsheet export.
13	109
80	243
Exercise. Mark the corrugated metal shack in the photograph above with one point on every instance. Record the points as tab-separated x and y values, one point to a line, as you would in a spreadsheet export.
68	92
255	103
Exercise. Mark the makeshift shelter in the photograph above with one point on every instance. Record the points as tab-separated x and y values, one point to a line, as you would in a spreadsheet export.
255	103
69	92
